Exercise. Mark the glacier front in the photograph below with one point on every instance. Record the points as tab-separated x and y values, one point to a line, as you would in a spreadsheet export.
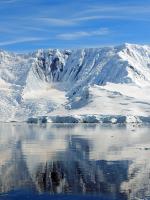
108	84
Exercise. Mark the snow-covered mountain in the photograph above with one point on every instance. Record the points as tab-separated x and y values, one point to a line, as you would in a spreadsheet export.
99	84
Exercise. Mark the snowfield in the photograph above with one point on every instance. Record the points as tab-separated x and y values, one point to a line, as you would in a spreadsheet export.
106	85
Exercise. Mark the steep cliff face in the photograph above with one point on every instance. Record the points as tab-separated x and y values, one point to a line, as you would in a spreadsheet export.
123	64
47	81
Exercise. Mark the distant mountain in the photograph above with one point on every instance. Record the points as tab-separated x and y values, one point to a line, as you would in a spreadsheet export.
86	85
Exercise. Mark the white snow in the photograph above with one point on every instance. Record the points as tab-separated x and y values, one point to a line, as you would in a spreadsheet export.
84	85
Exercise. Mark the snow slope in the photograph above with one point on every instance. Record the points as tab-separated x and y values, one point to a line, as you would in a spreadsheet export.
84	85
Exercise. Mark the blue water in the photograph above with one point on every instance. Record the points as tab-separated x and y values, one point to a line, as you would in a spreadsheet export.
70	162
26	195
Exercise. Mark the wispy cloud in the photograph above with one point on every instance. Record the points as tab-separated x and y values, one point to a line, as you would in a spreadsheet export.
122	12
80	34
110	17
8	1
116	9
110	13
95	17
56	21
52	23
20	40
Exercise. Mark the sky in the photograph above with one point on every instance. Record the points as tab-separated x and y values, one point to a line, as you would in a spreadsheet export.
26	25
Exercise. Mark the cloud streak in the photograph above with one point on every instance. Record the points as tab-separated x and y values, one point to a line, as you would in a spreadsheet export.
134	13
56	21
8	1
20	40
112	12
111	9
80	34
44	23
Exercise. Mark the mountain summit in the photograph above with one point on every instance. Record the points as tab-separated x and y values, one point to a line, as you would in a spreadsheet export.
80	83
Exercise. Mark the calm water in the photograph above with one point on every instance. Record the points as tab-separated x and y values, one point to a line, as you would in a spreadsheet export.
71	162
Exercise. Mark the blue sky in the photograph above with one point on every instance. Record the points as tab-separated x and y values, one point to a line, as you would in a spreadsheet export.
31	24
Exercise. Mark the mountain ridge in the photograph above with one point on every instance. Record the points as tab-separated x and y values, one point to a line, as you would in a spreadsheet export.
69	82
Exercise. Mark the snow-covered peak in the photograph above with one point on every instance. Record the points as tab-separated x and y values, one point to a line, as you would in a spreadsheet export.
137	58
127	63
68	79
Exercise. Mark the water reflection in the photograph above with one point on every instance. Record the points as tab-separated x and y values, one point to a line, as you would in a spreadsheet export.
82	159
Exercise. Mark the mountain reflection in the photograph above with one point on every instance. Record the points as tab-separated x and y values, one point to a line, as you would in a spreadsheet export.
61	159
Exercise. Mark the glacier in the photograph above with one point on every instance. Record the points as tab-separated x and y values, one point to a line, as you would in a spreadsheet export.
107	85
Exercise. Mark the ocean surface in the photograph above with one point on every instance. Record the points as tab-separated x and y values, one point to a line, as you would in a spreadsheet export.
74	161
